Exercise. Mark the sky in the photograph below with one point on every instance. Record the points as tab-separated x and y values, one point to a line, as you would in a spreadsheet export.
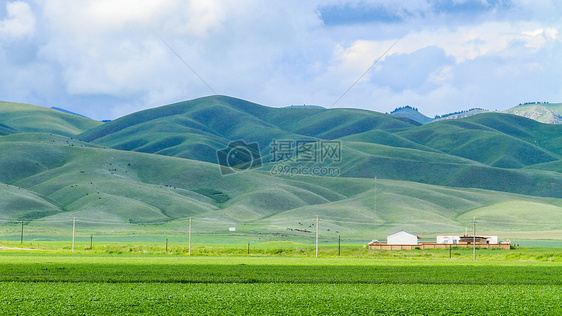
108	58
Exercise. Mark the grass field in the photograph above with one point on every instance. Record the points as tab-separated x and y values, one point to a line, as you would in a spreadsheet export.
151	245
47	283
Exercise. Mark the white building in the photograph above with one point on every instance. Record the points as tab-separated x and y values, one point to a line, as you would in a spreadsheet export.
402	238
448	239
491	239
456	239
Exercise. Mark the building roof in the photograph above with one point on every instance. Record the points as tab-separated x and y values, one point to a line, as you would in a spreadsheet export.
402	231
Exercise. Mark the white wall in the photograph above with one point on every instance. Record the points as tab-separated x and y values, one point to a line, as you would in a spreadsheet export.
455	239
492	239
402	238
448	239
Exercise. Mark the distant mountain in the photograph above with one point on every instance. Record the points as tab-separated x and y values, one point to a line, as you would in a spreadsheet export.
32	118
460	114
549	113
411	113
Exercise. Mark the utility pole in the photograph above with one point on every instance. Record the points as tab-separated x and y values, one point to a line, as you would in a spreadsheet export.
316	236
474	238
21	240
339	245
91	241
190	236
73	231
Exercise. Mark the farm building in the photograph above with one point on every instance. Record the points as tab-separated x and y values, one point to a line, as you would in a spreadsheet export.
480	240
402	240
448	239
402	237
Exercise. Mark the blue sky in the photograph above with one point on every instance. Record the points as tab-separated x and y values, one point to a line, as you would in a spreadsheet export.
104	58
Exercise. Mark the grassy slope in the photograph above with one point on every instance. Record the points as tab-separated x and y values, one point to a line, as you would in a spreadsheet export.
5	129
113	191
456	116
412	114
123	188
466	153
207	124
550	113
498	140
334	123
33	118
193	129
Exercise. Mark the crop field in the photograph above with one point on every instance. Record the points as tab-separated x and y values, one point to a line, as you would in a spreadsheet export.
82	283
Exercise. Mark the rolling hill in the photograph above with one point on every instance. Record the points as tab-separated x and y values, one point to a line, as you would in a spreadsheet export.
196	129
549	113
148	172
460	114
411	113
32	118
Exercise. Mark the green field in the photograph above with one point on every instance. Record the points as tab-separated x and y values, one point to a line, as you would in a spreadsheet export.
47	283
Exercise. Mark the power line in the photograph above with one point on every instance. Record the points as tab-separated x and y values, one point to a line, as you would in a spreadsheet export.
185	63
371	67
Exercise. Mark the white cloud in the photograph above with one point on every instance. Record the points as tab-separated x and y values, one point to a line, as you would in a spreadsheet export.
103	57
19	22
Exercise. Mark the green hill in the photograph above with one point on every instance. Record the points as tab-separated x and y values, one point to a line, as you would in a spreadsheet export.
5	130
549	113
117	192
411	113
196	129
148	172
460	114
498	140
334	123
32	118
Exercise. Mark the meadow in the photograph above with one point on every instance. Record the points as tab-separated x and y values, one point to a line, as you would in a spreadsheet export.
500	282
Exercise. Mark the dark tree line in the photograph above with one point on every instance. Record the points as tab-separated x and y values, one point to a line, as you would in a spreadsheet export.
526	103
458	112
404	107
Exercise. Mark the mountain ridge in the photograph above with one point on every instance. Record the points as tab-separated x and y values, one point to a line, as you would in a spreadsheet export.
159	167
